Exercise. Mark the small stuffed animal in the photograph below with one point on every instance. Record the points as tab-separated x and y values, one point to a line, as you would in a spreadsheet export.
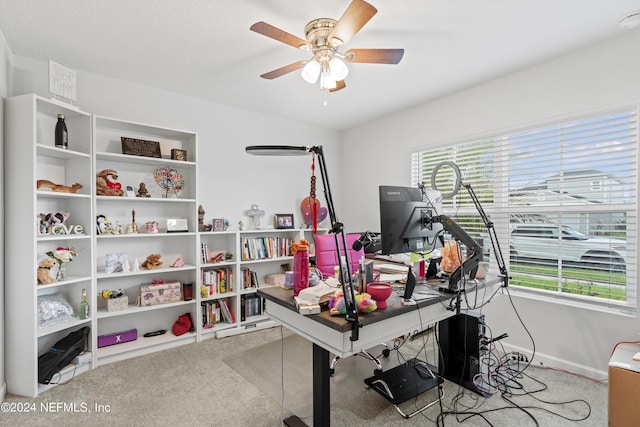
364	303
44	267
152	261
106	184
50	219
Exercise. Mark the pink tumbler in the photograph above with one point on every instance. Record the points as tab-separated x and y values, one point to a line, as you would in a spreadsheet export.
300	266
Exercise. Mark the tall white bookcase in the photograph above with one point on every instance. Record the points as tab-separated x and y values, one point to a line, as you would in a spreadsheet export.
160	207
31	155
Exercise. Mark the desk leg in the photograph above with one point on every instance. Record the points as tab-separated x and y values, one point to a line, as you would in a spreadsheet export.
321	395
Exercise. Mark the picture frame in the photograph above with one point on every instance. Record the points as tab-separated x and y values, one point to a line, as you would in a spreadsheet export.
220	224
283	221
115	263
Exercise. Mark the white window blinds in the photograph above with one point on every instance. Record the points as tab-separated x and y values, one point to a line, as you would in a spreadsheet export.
562	198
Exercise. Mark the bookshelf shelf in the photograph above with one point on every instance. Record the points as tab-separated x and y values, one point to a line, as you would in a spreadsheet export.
43	332
142	346
133	309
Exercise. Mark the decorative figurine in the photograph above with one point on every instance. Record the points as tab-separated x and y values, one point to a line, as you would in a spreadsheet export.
142	191
103	225
58	188
134	226
51	219
255	213
106	184
201	225
118	229
240	226
136	265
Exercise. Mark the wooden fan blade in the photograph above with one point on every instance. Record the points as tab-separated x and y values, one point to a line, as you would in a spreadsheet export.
352	20
284	70
374	56
278	34
340	84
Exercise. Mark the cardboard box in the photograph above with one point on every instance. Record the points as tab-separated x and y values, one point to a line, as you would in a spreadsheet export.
275	279
624	383
159	293
117	338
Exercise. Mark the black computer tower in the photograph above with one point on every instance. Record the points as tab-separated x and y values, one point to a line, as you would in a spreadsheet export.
460	357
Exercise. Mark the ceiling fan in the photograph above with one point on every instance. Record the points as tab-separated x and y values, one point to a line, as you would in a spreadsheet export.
324	36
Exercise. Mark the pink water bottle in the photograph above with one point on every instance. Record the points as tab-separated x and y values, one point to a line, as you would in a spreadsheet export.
300	266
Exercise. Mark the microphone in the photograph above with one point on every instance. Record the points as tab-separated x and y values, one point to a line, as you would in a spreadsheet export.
363	240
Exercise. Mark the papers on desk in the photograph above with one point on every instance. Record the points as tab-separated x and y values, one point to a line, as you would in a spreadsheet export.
392	277
392	272
392	268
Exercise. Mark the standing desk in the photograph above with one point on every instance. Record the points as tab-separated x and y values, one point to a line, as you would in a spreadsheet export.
332	334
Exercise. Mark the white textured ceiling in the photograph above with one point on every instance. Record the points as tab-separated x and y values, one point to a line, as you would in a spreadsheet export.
204	49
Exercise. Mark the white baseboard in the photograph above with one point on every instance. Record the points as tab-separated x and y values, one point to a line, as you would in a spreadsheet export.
542	360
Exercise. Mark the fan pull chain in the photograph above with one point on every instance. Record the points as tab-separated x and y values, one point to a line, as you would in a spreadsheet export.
312	195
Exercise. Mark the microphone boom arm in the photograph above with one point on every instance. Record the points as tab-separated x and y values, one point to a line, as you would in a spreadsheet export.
469	265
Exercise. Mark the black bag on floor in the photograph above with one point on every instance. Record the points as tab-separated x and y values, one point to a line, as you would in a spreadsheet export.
61	354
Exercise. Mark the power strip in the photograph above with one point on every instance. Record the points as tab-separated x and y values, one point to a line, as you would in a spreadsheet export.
82	359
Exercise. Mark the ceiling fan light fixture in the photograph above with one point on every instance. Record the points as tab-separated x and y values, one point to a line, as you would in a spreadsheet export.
338	68
327	81
311	71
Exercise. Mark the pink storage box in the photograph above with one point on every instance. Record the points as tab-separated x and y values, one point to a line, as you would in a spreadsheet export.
159	293
117	338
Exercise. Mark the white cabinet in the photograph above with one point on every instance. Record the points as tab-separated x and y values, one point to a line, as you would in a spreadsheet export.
171	186
30	155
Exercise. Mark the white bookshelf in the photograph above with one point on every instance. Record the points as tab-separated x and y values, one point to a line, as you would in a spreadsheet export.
232	242
159	207
30	155
94	145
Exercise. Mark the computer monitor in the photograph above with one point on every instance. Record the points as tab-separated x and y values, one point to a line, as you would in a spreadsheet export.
405	224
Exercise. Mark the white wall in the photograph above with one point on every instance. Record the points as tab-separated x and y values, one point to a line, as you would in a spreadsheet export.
6	74
592	78
230	180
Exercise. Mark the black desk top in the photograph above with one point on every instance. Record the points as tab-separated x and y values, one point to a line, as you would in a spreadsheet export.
394	307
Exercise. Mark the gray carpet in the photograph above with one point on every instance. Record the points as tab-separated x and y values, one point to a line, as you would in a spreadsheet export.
193	385
559	399
262	367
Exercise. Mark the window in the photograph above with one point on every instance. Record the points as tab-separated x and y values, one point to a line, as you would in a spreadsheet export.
562	198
